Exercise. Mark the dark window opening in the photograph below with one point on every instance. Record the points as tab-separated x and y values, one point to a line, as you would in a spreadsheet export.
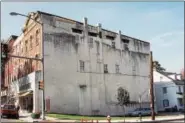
98	47
92	34
105	68
117	68
91	42
76	30
125	41
126	47
164	90
165	103
82	65
110	37
113	44
100	34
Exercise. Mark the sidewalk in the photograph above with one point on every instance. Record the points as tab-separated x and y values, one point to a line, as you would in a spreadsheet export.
27	118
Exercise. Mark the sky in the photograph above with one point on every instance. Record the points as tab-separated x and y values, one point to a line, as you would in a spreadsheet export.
160	23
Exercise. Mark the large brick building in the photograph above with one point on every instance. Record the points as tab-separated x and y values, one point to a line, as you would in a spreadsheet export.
84	67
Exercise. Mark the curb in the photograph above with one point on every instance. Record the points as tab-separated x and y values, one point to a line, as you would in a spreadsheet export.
155	121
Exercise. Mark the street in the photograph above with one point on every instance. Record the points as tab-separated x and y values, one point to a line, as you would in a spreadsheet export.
4	120
176	121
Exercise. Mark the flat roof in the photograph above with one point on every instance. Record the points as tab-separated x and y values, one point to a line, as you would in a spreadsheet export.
40	12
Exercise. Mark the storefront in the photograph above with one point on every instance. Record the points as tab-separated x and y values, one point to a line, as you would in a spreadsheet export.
27	93
26	101
3	96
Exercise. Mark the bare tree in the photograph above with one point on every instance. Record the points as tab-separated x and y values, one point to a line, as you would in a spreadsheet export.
123	98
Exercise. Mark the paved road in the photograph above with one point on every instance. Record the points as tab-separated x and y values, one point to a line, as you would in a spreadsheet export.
177	121
4	120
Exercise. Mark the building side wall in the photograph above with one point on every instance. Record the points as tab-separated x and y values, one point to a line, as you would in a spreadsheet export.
63	76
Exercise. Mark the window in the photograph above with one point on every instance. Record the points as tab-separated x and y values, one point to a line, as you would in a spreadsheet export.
113	44
76	30
105	68
82	65
31	42
165	103
26	49
110	37
179	89
164	90
92	34
37	37
125	43
117	68
91	42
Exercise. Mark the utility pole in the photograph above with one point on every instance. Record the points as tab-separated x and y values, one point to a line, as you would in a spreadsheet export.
151	86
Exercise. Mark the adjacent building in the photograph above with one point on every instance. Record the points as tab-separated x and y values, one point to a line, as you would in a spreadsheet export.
169	90
84	67
7	71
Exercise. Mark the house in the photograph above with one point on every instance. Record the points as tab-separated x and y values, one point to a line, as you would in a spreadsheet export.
84	67
169	90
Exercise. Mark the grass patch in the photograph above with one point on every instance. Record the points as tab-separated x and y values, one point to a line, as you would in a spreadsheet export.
78	117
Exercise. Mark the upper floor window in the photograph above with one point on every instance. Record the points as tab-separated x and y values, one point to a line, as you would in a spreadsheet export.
82	65
105	68
31	40
92	34
77	31
37	37
98	47
117	68
125	43
110	37
91	42
164	90
113	44
179	87
165	103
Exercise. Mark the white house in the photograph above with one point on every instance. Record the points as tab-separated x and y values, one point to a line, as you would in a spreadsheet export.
85	65
169	89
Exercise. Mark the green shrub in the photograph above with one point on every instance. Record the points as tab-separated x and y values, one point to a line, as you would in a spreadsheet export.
35	115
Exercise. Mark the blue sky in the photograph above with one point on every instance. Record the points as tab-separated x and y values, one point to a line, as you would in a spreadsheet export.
160	23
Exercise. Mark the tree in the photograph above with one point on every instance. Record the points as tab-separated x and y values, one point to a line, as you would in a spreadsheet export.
158	66
123	98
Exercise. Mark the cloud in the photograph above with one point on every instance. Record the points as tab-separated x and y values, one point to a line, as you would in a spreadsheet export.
168	39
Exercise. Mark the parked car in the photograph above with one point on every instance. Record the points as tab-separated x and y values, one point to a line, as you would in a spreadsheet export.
9	111
140	111
181	109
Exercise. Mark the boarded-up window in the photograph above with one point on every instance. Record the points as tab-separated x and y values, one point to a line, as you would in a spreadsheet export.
37	37
82	65
31	39
98	47
91	42
105	68
117	68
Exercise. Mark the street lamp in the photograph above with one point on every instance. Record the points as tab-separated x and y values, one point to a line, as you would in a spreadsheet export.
42	60
13	13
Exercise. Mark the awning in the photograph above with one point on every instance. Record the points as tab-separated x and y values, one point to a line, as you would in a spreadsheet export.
26	94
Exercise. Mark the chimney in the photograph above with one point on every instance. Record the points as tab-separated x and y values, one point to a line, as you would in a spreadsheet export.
85	21
119	43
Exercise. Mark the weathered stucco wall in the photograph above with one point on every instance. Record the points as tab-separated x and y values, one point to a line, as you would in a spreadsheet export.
64	80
